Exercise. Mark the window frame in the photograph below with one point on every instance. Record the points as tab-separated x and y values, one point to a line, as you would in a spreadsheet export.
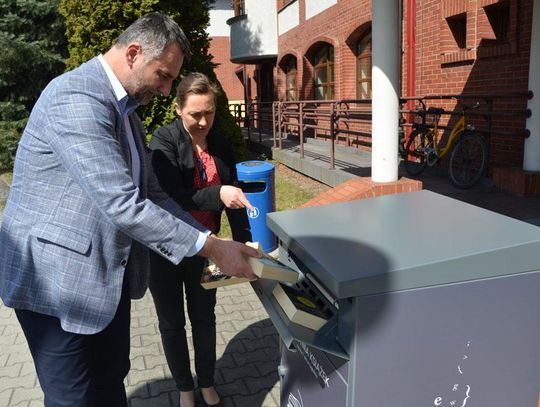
457	24
362	55
290	69
498	16
326	55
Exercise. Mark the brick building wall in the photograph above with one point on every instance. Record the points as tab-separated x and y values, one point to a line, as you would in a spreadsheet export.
228	74
484	65
341	25
446	61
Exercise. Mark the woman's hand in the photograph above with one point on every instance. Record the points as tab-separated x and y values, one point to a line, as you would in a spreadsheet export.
234	198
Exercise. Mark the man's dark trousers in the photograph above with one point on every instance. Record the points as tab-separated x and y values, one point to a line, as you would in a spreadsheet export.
80	370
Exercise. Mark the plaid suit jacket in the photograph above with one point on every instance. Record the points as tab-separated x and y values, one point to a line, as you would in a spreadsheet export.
74	216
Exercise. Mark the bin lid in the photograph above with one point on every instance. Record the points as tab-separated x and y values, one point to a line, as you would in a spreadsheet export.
254	168
405	241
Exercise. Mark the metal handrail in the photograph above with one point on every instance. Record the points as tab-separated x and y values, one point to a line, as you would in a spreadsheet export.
488	115
350	119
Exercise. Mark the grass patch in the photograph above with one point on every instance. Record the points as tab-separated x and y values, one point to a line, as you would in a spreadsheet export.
289	195
8	177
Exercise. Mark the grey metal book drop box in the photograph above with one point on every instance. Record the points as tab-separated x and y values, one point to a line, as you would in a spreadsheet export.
436	303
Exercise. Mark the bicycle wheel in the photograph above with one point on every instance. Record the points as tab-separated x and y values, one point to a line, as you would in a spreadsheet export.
468	160
416	152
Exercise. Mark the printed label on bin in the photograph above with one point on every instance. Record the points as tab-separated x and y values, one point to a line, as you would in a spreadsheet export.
314	363
253	214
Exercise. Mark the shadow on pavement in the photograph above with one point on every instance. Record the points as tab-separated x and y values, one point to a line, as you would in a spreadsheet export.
245	373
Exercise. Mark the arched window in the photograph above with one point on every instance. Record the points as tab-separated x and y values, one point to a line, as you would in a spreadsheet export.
323	72
363	68
289	67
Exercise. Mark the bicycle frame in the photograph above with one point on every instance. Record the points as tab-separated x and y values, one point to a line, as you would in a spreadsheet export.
458	128
466	149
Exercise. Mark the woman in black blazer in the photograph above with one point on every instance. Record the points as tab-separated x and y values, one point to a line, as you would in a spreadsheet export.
196	167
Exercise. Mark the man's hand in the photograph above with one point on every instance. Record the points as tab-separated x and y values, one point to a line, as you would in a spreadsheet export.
230	256
234	198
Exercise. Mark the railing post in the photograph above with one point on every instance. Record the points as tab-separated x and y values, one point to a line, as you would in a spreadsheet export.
260	122
240	111
340	113
274	122
248	119
301	127
280	119
332	136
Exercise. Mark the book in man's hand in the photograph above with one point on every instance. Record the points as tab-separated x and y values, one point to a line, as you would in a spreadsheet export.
263	267
299	308
212	277
268	267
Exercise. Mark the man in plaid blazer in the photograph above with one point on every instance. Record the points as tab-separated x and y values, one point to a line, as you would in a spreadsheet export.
83	210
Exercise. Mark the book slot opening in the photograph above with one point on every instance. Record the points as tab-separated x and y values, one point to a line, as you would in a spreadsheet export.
311	293
251	187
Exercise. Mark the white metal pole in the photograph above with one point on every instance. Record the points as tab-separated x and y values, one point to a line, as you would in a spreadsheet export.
531	154
385	90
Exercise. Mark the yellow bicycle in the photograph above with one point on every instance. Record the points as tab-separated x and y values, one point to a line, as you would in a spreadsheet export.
467	148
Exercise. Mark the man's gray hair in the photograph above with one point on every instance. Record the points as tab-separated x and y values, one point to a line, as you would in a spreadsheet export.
154	31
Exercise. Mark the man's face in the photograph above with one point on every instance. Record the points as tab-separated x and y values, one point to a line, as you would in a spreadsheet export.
148	79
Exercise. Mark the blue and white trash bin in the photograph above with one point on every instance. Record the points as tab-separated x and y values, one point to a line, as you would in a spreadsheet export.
257	181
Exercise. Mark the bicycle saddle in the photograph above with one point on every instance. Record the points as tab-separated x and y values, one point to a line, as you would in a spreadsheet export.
435	110
431	110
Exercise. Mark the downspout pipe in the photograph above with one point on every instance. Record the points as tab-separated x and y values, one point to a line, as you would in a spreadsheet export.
411	59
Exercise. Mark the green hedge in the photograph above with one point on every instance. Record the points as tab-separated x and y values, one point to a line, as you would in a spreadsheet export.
92	27
9	138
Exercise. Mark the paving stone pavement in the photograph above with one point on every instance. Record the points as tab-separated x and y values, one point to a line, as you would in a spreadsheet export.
247	356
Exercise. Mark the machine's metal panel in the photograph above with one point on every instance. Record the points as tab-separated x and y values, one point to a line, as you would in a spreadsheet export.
405	241
469	344
312	379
